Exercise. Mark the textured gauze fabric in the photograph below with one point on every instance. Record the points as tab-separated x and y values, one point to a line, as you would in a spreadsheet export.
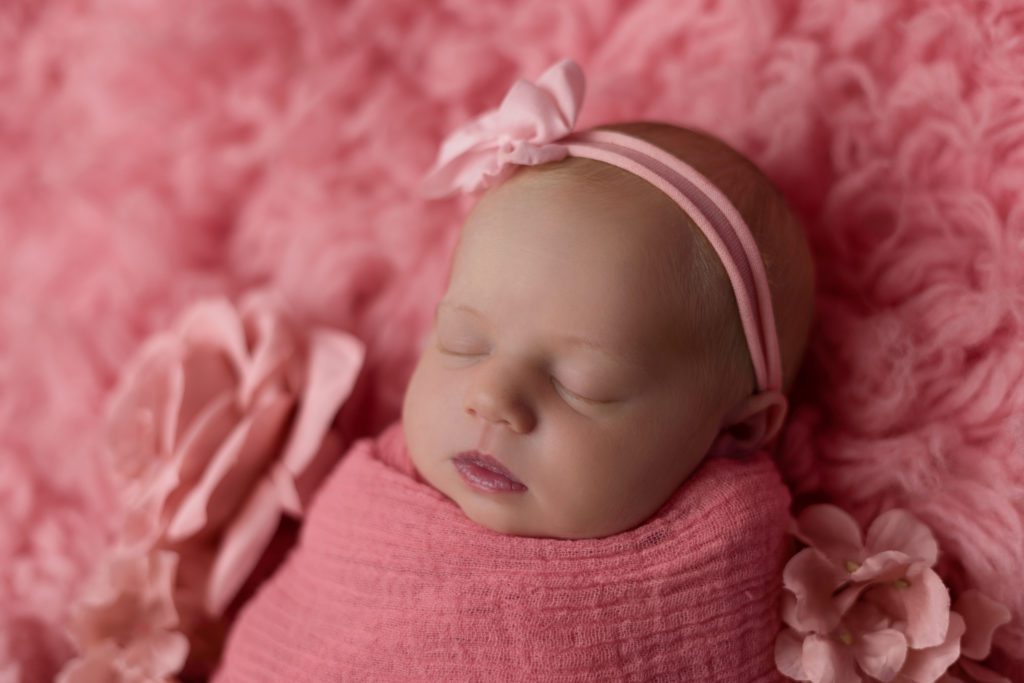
391	581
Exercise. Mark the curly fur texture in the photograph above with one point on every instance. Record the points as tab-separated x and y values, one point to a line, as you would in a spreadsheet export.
154	152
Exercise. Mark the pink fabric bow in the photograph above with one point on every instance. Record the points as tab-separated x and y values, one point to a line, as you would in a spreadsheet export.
521	131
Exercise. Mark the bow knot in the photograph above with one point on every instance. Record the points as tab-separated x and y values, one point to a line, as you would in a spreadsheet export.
522	131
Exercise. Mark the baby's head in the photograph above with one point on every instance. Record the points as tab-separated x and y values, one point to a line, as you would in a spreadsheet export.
589	340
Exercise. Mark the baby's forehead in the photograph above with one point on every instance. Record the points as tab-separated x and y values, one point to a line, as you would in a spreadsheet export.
609	239
590	182
585	224
592	200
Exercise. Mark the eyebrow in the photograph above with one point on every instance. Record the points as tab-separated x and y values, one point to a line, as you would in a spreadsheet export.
570	339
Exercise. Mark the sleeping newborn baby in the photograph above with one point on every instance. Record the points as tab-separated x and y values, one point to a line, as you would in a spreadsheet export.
585	320
580	486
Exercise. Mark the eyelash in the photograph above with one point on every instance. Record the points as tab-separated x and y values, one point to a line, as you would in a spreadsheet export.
457	354
572	393
554	381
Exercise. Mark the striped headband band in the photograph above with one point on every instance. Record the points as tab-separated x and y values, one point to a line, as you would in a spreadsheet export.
534	125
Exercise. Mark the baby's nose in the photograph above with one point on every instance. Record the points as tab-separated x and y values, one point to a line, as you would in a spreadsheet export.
498	402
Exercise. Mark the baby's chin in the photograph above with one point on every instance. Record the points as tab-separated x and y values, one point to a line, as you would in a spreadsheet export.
491	515
508	521
498	512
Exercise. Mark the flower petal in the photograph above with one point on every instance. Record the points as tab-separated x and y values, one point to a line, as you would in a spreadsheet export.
200	443
137	410
157	655
812	578
929	664
216	324
788	610
876	571
864	617
241	547
884	566
236	467
983	616
213	341
981	674
335	360
827	661
900	530
206	374
881	653
789	655
143	520
833	532
128	595
847	598
927	607
95	665
917	603
158	590
272	345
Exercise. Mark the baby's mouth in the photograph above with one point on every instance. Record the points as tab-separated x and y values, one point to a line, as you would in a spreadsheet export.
486	472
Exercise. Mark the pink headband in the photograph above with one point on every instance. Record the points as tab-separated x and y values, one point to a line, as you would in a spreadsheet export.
534	126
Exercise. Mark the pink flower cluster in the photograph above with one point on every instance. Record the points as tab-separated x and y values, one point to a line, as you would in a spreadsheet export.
874	609
217	428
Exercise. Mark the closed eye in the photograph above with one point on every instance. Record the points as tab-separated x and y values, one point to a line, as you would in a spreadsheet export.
456	353
573	395
459	354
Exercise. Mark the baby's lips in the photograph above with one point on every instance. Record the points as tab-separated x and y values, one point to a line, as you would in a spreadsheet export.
488	462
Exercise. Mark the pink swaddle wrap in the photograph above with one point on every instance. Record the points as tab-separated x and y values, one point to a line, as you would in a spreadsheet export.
391	581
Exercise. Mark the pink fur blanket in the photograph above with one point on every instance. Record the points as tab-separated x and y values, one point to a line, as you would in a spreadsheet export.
391	581
155	152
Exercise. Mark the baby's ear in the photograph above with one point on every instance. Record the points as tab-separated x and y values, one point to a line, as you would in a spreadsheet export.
751	424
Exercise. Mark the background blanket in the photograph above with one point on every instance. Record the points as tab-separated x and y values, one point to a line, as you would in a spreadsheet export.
152	152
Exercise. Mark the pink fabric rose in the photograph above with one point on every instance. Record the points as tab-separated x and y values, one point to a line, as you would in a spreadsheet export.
216	429
874	609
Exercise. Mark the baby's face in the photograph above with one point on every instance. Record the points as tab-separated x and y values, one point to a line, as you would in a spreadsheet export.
558	351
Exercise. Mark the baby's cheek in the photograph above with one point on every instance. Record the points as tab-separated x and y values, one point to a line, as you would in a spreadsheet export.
415	410
428	406
582	466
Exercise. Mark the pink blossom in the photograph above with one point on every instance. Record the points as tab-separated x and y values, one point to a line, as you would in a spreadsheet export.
217	428
874	609
125	621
